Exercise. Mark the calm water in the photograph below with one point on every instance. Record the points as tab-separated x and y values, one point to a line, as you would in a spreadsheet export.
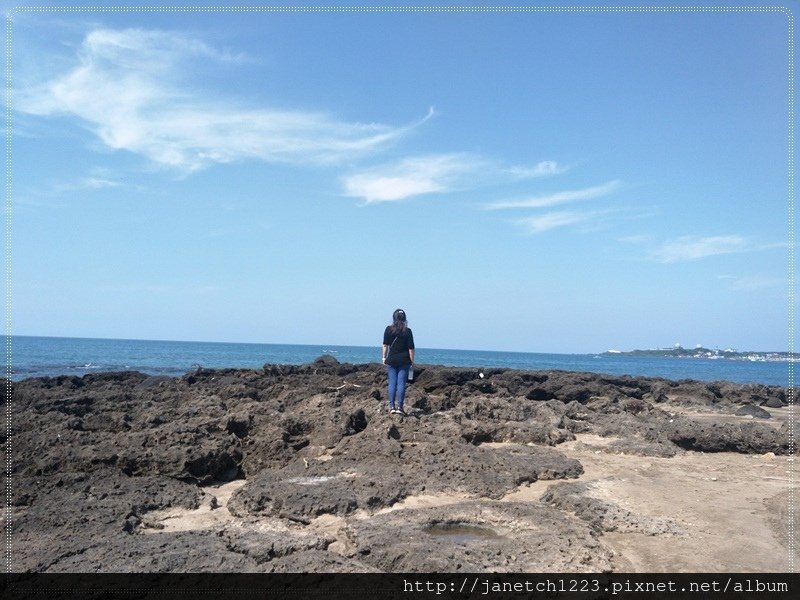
44	356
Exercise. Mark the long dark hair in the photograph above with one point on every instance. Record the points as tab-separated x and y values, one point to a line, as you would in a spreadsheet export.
399	322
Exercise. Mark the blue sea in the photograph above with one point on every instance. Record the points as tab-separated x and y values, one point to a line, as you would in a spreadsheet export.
51	356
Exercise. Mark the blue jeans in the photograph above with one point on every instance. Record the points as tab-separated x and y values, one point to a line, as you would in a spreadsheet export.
397	385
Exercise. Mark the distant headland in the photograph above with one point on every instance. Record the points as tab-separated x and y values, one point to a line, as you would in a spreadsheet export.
678	351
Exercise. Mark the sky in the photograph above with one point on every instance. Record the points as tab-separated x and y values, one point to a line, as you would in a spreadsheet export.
542	182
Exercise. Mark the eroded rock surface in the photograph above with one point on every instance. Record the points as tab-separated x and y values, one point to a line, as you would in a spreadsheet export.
92	457
478	537
358	476
603	514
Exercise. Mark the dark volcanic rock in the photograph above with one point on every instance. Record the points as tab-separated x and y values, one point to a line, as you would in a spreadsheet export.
61	516
791	427
318	561
748	437
753	411
638	447
92	456
115	421
276	494
478	537
181	552
264	546
604	515
326	361
774	403
373	474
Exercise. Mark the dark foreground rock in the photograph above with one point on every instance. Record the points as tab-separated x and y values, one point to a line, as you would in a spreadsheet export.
753	411
605	515
478	537
59	523
93	457
348	481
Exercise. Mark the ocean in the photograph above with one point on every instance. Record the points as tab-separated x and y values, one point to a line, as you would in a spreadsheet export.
51	356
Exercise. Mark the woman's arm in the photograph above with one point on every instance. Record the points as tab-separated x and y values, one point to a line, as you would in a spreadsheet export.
383	352
411	355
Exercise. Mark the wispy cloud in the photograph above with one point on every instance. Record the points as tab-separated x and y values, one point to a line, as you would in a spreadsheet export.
85	183
558	198
689	248
552	220
637	238
132	88
754	282
414	176
97	183
545	168
94	182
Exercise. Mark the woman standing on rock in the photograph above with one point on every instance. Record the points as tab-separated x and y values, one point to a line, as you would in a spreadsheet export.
398	356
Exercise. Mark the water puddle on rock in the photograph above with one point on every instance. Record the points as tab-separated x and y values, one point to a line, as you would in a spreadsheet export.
461	533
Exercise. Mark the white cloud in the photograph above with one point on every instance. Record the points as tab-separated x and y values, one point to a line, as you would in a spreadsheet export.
96	183
688	248
130	88
152	50
558	197
85	183
413	177
545	168
638	238
774	246
758	282
754	282
552	220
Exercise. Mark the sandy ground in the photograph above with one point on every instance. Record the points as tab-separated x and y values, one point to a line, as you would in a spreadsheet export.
212	513
733	510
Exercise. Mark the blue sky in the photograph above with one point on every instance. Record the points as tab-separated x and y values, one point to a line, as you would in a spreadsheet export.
545	182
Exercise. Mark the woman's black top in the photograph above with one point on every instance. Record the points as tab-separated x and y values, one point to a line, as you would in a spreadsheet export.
399	345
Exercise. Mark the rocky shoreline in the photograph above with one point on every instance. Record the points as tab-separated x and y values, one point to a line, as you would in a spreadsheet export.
301	468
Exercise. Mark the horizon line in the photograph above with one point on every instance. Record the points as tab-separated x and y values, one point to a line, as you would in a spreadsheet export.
607	351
